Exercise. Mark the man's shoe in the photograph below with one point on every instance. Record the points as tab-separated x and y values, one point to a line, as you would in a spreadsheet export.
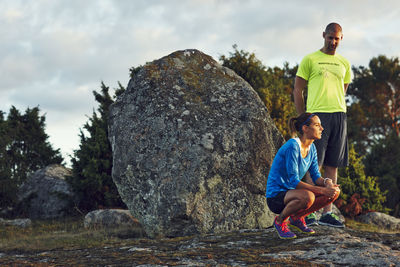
311	219
300	225
283	230
330	219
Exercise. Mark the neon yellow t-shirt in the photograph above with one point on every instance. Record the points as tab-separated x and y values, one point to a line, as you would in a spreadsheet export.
326	76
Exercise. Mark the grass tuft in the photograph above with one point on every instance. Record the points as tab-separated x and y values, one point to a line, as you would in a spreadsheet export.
67	233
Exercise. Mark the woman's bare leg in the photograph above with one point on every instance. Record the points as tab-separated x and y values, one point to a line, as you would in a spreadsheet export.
320	202
296	200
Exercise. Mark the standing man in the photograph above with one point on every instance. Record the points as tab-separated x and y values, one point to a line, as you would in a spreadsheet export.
327	76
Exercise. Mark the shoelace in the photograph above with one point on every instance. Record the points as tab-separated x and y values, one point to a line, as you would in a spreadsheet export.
303	221
284	226
335	216
312	216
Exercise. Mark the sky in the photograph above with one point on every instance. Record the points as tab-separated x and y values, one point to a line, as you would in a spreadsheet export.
54	53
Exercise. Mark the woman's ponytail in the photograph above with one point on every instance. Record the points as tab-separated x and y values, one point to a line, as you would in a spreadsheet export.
292	126
296	123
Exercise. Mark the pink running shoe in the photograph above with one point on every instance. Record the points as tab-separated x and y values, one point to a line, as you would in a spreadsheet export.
283	230
300	225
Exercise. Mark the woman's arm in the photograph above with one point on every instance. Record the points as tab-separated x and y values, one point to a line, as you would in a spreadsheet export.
323	187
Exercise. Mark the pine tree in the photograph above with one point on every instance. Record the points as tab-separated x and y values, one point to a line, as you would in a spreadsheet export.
29	149
92	162
8	188
24	149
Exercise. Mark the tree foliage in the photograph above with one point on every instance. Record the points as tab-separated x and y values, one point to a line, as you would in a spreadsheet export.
374	110
384	161
273	85
374	122
24	148
247	66
8	187
280	86
360	193
92	162
29	149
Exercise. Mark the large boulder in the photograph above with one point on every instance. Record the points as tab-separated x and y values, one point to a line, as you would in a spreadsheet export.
192	146
46	194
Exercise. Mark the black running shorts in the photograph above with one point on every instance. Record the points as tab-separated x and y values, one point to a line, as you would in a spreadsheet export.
276	204
332	148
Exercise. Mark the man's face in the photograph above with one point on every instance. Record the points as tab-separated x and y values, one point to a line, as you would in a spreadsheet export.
332	40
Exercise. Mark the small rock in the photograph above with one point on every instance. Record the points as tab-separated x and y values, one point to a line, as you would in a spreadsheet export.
23	223
381	220
46	194
109	218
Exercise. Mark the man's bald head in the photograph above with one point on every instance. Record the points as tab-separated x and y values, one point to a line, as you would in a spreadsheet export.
333	27
332	37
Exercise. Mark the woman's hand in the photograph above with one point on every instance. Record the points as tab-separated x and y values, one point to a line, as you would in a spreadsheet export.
330	189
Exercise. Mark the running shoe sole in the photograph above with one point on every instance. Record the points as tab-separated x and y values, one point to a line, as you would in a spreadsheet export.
312	223
331	225
282	237
301	231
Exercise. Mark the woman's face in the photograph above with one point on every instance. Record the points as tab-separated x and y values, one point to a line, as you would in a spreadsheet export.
314	130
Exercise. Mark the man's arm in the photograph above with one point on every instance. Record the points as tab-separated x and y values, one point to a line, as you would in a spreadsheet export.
299	85
345	87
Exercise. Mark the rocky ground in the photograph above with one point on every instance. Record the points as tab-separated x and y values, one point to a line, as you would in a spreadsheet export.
328	247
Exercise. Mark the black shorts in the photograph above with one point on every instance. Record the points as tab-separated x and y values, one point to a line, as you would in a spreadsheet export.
332	148
276	204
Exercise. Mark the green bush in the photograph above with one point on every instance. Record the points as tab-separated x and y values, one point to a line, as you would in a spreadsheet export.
360	193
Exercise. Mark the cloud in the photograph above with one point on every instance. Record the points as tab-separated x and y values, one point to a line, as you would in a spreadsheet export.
54	53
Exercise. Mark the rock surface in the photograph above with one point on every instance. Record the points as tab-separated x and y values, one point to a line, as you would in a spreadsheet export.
113	218
45	194
380	219
261	247
23	223
192	146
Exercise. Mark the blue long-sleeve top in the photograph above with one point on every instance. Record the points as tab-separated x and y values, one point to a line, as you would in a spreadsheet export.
289	167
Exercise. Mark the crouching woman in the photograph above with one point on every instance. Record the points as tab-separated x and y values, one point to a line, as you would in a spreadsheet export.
286	194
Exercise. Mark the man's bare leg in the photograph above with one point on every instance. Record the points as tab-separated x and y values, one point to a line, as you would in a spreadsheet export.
330	172
312	219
